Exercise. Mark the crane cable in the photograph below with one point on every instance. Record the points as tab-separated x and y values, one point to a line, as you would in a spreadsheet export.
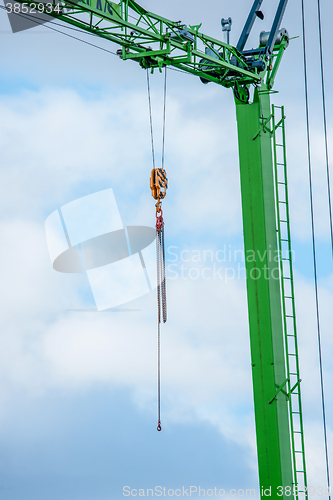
325	121
158	185
314	246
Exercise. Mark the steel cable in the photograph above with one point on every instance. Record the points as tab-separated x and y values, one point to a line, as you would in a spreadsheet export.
314	247
164	115
150	120
163	284
325	120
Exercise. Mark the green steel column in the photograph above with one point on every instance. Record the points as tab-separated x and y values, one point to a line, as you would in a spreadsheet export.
264	297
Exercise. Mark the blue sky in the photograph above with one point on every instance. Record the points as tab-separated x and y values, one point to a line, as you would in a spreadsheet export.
62	460
78	390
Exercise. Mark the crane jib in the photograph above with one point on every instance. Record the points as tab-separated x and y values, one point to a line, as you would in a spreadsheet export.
155	42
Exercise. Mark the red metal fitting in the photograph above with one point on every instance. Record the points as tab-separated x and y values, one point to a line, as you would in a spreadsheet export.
159	221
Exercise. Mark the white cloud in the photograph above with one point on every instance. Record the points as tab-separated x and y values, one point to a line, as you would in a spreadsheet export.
205	347
206	367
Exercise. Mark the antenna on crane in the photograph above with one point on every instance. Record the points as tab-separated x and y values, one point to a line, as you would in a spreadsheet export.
226	27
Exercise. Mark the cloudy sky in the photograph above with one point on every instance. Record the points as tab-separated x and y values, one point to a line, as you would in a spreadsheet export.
78	389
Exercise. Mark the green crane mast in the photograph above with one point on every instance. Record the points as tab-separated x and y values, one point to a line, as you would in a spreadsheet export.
156	42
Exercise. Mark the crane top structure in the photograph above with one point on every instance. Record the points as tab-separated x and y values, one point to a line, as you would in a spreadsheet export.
156	42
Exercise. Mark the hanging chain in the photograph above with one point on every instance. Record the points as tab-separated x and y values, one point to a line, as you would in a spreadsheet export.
163	287
161	303
161	282
158	185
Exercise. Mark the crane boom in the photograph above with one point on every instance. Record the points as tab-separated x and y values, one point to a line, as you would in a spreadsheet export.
154	42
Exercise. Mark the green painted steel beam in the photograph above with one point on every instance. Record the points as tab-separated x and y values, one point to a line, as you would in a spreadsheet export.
271	73
264	295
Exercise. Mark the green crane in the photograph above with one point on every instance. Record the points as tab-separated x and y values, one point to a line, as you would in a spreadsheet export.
155	42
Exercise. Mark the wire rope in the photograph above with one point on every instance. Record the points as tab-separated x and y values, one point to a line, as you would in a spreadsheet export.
314	246
325	120
164	114
150	119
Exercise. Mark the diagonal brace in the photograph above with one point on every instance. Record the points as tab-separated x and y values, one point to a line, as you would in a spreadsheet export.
280	389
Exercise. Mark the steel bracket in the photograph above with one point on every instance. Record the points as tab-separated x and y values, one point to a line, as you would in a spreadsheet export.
264	128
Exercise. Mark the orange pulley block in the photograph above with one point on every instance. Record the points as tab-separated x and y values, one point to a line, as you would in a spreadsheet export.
158	185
